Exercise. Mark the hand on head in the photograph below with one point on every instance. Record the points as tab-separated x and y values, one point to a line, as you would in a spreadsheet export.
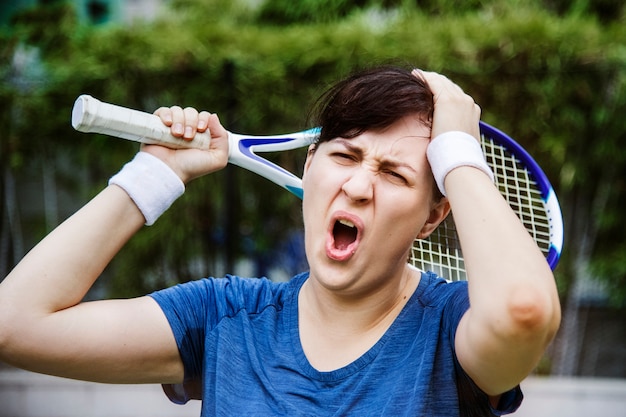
454	109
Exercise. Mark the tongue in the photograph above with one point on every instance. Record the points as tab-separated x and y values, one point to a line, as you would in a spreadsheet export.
344	235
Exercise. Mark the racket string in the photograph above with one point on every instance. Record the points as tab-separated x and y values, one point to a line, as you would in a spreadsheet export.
441	252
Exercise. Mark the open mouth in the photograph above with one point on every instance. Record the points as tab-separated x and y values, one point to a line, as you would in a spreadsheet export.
343	239
344	233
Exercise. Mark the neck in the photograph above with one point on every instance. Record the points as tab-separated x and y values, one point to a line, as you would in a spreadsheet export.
357	313
335	330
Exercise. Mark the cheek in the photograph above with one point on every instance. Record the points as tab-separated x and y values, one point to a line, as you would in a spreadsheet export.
408	217
320	179
314	187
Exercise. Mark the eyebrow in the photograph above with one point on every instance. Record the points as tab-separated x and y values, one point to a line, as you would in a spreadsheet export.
385	162
357	150
391	163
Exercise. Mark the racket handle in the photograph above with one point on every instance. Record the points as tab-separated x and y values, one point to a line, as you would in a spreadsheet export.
91	115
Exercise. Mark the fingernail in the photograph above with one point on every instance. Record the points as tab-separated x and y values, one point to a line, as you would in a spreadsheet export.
201	124
188	132
177	129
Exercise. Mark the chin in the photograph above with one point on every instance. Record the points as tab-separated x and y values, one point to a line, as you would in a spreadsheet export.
334	276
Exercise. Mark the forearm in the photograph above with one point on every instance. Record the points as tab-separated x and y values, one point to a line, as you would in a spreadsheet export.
44	326
58	272
514	306
498	250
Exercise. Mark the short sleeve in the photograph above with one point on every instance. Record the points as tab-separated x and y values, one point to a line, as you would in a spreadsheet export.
194	308
473	402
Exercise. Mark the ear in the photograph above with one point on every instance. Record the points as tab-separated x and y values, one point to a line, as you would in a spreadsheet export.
438	212
309	157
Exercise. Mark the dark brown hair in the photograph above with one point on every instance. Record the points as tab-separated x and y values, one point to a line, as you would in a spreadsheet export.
372	99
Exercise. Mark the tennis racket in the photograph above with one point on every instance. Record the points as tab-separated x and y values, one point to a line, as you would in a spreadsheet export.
519	178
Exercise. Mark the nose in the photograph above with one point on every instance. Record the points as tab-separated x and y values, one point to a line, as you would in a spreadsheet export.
359	187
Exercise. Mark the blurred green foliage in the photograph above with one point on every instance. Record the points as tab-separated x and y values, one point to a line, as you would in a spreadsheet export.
551	73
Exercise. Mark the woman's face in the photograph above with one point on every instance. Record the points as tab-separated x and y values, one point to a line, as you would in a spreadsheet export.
365	200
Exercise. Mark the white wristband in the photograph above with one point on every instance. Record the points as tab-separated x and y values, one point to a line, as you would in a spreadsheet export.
150	183
455	149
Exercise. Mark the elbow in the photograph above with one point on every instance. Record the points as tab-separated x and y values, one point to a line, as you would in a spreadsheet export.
10	326
5	335
534	315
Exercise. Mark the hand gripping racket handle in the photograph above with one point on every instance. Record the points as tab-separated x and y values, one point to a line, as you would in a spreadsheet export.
91	115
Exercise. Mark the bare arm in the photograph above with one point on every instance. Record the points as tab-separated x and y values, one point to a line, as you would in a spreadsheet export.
514	307
44	326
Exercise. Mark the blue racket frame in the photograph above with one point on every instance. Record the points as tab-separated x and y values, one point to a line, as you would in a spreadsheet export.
243	149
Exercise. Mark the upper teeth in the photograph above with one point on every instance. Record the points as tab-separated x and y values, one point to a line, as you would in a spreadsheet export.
346	223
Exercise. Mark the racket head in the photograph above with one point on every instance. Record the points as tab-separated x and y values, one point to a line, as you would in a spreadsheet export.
524	186
518	177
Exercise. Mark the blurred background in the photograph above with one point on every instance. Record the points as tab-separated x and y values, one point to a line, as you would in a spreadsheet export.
551	73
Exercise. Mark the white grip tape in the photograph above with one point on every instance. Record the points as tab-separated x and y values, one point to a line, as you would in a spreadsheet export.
90	115
455	149
150	183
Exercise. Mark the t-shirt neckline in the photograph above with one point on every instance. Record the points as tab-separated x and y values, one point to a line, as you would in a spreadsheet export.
360	362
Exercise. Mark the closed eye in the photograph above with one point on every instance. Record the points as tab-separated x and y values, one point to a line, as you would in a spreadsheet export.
395	176
344	151
342	156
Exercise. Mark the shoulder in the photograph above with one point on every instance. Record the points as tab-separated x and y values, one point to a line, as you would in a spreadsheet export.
442	300
434	290
227	296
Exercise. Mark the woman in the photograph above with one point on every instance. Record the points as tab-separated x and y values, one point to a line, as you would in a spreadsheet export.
361	333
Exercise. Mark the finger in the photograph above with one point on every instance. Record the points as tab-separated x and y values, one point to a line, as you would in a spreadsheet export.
178	121
440	84
444	89
191	122
454	109
418	73
165	114
216	128
203	121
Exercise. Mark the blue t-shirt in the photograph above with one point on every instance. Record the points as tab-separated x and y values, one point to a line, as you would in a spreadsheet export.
240	338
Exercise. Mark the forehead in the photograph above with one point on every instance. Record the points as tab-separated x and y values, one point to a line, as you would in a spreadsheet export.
405	139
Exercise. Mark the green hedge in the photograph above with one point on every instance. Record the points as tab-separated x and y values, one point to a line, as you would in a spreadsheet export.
555	82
